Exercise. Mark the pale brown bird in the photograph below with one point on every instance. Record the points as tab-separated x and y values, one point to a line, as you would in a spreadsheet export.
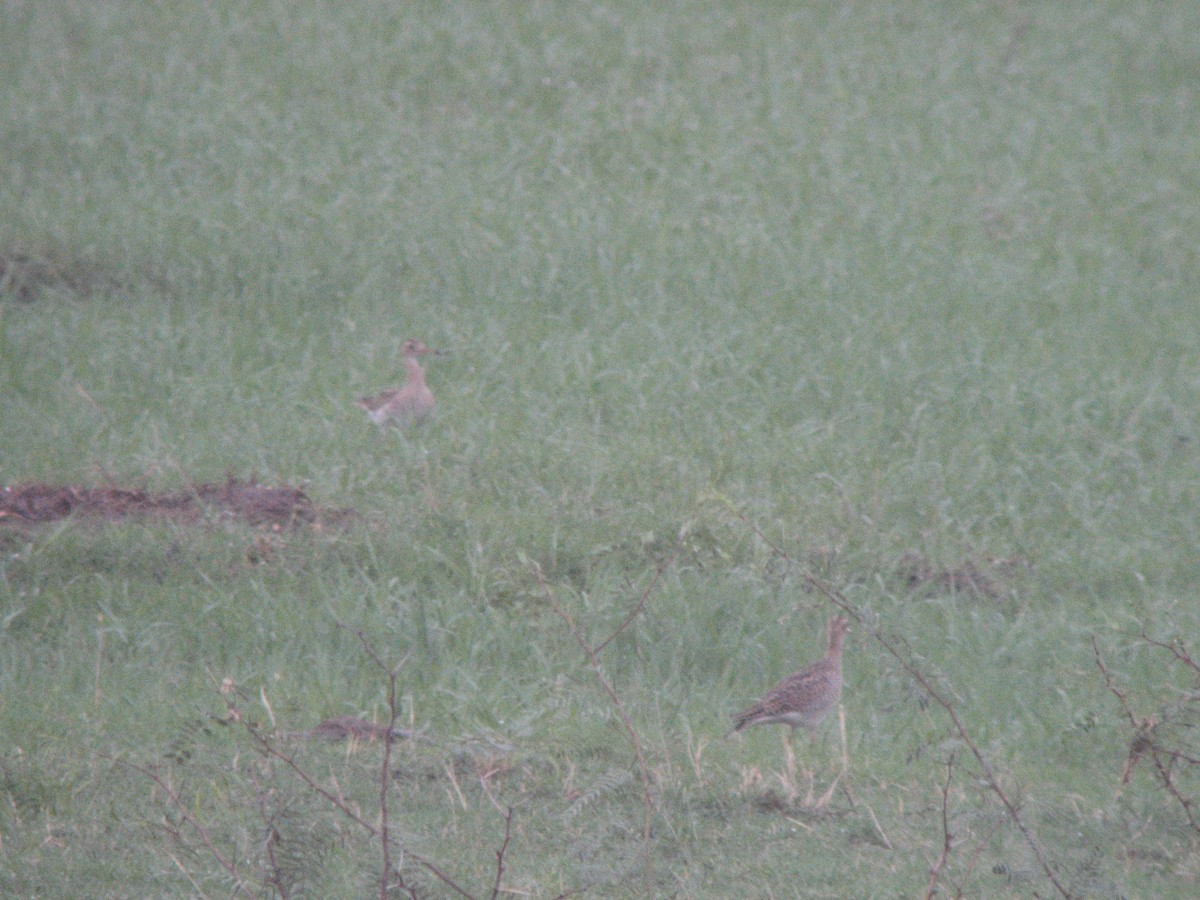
405	405
806	697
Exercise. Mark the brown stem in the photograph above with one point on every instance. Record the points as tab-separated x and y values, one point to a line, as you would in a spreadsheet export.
500	853
614	697
275	879
936	868
385	844
1176	650
227	864
1144	735
641	604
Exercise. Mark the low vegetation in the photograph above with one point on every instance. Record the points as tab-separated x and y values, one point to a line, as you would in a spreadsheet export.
756	314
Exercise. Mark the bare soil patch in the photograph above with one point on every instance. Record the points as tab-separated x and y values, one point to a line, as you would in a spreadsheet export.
273	507
987	577
25	276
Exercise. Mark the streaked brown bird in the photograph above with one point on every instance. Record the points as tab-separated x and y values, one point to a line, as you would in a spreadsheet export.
405	405
806	697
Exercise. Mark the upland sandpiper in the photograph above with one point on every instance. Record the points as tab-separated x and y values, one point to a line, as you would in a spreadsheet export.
804	698
405	405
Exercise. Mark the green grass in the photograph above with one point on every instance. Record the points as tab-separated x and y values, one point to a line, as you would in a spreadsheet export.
888	279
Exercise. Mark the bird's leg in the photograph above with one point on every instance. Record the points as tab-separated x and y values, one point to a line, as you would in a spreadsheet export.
789	761
842	730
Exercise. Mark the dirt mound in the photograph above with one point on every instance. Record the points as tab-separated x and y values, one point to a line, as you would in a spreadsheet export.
276	507
986	578
25	276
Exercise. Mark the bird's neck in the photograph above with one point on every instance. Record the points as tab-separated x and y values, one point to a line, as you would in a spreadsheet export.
412	368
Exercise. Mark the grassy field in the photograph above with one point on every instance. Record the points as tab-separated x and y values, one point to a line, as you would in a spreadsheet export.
753	309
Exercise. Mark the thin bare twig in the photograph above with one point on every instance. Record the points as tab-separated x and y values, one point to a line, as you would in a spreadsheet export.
275	878
1112	688
265	746
1164	774
974	857
500	853
641	604
1141	741
385	778
205	837
1179	755
618	705
392	877
834	597
947	838
1144	739
1176	650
